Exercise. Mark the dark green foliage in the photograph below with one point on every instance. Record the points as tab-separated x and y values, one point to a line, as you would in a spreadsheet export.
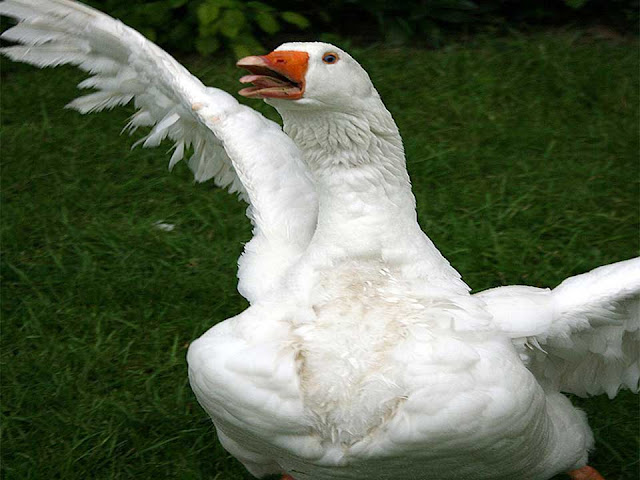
524	158
234	22
171	23
204	25
430	22
247	27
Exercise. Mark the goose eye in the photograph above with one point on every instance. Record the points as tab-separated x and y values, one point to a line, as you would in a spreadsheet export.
330	58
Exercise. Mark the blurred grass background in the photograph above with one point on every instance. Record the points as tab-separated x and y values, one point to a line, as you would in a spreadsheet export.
523	151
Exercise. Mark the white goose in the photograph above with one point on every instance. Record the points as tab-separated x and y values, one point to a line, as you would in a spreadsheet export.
362	355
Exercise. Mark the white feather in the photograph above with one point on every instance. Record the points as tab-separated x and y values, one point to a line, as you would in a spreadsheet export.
161	130
46	55
588	328
178	154
96	102
31	34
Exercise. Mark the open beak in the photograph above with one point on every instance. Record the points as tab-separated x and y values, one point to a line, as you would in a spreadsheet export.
277	75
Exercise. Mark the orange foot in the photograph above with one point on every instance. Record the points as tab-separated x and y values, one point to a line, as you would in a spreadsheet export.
585	473
287	477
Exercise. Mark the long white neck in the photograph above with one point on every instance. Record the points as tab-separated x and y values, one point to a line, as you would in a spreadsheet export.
366	206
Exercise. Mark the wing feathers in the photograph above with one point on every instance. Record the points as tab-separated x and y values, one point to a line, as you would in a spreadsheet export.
587	328
178	154
46	55
233	145
19	10
161	130
124	66
123	83
32	34
96	102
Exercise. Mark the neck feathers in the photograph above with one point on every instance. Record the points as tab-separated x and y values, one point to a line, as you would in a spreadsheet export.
347	139
357	160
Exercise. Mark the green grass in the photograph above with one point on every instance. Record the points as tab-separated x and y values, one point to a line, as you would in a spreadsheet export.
524	158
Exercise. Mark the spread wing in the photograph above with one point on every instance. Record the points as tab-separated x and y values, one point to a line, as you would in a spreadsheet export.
124	67
582	337
230	143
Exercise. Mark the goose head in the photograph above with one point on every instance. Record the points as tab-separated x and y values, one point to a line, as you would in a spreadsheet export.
328	105
311	75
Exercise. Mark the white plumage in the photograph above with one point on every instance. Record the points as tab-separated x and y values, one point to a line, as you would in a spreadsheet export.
362	355
584	333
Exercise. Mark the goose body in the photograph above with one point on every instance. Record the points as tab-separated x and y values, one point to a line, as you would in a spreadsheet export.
376	379
363	354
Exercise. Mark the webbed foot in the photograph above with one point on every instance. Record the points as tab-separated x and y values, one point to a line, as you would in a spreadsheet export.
585	473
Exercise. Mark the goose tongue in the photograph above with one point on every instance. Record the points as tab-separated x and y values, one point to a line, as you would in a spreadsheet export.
265	86
265	81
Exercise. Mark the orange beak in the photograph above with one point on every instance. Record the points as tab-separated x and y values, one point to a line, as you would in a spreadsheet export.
280	74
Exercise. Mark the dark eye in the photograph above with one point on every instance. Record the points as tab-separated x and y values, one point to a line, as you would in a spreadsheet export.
330	57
